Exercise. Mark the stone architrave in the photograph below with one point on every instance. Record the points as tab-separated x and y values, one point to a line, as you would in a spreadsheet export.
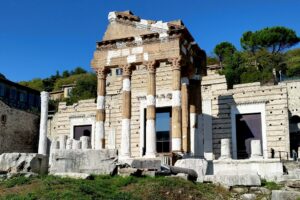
225	149
43	123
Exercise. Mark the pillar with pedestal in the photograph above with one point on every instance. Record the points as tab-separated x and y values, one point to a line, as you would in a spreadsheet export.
151	102
225	149
185	113
256	152
176	105
100	113
43	123
126	113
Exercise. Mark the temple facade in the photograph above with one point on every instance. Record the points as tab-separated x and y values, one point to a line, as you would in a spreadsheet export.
156	98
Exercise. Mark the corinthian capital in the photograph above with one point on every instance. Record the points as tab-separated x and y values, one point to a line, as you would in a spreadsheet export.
127	69
102	72
176	62
151	66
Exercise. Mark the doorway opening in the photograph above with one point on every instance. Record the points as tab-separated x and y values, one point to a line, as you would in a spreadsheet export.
248	127
163	130
83	130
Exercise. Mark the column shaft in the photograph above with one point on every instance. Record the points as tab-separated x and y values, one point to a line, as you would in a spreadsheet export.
176	105
185	115
100	112
126	113
43	123
151	113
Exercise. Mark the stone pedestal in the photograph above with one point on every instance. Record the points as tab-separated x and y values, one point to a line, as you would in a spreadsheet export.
69	143
225	149
62	141
256	149
43	123
76	144
85	142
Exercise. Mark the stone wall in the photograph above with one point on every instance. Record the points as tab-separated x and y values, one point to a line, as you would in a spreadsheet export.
274	98
293	96
18	130
60	123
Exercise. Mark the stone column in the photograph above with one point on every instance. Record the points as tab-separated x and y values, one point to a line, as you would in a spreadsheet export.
43	123
185	114
100	113
256	152
225	149
151	114
85	142
126	113
193	121
176	105
62	141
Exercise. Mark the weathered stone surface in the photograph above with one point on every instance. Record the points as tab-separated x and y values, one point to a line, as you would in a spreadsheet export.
248	196
23	163
268	169
73	175
19	132
84	161
286	195
239	189
236	179
260	190
154	164
198	165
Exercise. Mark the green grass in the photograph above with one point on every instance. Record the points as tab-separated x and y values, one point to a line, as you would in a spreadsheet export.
270	185
106	187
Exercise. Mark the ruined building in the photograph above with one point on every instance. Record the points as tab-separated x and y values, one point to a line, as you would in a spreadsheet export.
19	119
157	97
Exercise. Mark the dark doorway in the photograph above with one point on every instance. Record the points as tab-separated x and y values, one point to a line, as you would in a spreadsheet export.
163	130
294	134
84	130
248	127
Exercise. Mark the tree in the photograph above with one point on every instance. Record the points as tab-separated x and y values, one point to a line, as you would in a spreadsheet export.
36	84
293	62
85	88
223	50
65	74
78	70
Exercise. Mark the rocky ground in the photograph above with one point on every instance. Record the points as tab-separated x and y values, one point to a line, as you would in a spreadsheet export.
107	187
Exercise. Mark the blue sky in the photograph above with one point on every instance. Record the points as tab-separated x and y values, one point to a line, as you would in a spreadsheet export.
38	37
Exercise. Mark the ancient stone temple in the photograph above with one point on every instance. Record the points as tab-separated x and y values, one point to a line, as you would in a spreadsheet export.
148	85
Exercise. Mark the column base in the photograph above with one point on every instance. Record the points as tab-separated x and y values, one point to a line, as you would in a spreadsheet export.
150	155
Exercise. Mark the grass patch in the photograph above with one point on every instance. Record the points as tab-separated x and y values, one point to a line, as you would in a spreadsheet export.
270	185
106	187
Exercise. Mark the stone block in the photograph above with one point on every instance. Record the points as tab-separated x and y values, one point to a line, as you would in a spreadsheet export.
268	169
287	195
248	196
198	165
84	161
23	163
236	179
73	175
154	164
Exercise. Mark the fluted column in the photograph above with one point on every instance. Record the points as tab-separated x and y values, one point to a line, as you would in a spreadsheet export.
151	102
43	123
126	113
176	104
185	113
100	113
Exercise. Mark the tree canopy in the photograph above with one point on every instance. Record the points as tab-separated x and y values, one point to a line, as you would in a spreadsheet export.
263	51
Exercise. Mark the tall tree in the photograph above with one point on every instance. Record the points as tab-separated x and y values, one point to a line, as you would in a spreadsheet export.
223	50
